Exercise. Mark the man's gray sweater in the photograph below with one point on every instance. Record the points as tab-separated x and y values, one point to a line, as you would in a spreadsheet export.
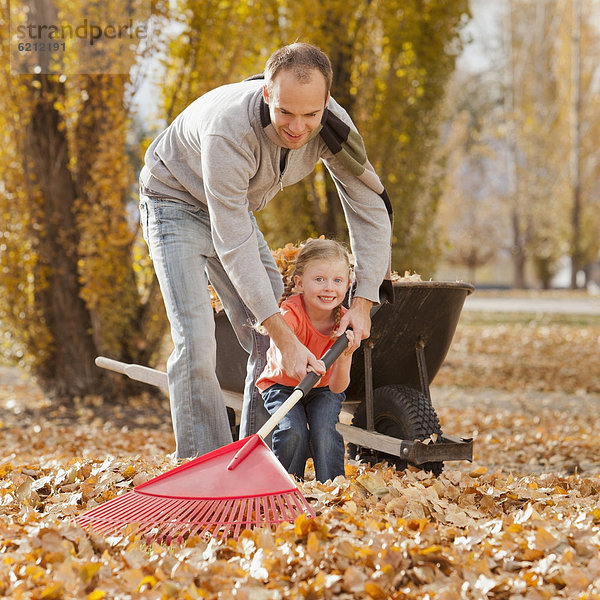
217	155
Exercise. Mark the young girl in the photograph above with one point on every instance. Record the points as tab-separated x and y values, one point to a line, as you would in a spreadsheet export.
321	278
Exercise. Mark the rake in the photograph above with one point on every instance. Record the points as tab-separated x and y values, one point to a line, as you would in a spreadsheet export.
238	486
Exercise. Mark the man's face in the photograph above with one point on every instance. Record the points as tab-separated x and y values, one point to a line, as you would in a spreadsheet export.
296	107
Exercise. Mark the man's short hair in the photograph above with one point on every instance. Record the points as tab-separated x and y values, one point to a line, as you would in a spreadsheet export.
301	59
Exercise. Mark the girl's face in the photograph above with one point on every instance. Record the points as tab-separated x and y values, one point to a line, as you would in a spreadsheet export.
323	284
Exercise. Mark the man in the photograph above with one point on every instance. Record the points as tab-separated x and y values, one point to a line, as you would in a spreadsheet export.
224	157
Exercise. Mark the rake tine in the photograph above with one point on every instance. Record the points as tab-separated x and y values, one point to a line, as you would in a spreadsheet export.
209	525
200	517
186	521
249	512
232	511
179	520
300	504
282	509
273	512
105	510
258	511
293	505
209	518
240	516
126	510
154	506
161	511
221	518
176	520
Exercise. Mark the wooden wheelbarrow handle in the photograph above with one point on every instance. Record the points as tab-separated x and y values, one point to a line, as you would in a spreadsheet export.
135	372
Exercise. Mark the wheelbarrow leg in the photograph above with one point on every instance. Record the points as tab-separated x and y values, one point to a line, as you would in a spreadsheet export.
368	360
422	365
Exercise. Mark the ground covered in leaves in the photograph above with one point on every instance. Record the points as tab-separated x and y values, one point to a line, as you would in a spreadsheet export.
522	521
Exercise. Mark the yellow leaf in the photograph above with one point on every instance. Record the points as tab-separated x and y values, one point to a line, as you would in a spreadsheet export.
304	524
34	571
96	595
149	581
478	472
87	571
313	545
373	484
544	540
375	590
52	592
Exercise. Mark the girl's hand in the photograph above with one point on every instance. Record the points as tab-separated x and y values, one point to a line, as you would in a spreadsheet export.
322	369
351	348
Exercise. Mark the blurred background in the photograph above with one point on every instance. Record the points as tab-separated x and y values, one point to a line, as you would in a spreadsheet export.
480	116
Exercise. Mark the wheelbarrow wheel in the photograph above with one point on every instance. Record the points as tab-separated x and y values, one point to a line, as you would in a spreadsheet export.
401	412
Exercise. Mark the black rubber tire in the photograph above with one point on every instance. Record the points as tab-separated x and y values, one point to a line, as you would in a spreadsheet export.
401	412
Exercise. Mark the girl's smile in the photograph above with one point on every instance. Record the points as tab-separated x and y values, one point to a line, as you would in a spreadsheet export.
323	285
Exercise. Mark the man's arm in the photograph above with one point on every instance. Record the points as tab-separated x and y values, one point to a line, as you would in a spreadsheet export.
296	358
358	318
366	215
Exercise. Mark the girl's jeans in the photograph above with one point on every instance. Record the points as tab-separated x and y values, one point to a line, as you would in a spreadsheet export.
181	248
308	427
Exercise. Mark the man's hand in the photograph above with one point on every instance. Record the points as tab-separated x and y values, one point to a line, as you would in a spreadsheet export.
296	359
358	318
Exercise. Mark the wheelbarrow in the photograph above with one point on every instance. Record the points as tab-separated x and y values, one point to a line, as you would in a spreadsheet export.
388	413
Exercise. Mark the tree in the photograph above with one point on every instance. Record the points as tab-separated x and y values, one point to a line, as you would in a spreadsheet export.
71	286
554	102
550	169
584	172
471	216
76	280
537	119
391	61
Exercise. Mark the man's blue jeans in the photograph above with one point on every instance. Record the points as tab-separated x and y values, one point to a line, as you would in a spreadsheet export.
182	251
309	428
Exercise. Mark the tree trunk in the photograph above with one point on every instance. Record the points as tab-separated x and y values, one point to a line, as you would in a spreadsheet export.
518	250
576	217
69	369
341	60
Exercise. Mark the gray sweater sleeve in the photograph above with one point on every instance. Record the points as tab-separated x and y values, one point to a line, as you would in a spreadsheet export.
368	222
233	230
369	227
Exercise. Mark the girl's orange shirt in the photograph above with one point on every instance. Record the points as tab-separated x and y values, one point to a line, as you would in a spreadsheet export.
293	312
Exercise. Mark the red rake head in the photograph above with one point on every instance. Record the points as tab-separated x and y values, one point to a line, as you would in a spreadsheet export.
204	496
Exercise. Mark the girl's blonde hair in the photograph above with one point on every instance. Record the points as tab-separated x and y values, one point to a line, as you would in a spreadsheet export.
318	249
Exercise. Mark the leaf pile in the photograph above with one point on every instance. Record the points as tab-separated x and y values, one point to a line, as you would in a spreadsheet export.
525	351
522	521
